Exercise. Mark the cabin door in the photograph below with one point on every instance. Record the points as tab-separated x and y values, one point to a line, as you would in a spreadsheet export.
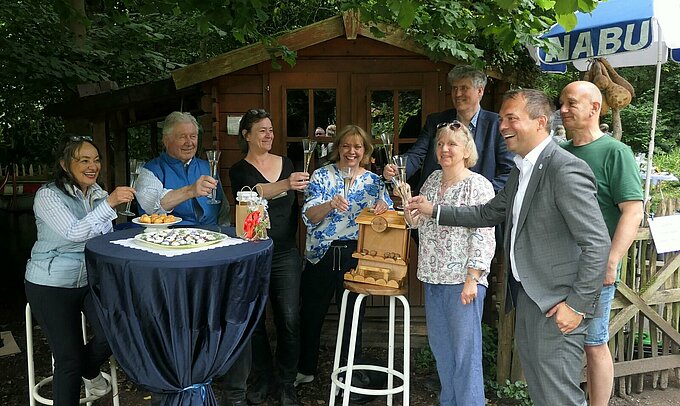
395	104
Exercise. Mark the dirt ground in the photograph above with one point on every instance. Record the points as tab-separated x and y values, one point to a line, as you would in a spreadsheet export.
14	382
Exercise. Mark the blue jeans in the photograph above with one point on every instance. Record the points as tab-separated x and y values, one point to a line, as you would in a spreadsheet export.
598	330
455	334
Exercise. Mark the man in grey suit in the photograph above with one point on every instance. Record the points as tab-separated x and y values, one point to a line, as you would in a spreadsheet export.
557	243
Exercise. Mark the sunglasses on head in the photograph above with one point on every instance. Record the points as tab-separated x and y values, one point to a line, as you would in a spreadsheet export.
79	138
257	112
454	125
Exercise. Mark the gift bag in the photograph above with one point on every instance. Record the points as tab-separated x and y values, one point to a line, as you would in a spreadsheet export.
252	219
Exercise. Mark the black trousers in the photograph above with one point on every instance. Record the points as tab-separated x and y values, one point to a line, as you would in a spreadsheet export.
256	358
320	282
57	310
284	296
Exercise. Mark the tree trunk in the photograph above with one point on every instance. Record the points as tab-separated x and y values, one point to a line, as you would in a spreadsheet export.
617	131
76	22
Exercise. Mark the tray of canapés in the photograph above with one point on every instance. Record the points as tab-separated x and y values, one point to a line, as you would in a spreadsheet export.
179	238
156	221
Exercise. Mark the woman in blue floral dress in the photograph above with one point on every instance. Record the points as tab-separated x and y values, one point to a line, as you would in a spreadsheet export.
332	234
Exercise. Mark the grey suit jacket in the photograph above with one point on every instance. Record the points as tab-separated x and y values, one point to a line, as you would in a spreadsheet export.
561	242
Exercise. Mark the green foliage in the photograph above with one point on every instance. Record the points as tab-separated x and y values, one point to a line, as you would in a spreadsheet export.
489	351
516	391
666	162
637	117
484	33
424	360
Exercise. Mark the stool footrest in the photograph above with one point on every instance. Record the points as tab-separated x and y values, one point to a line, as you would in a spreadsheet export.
41	399
365	391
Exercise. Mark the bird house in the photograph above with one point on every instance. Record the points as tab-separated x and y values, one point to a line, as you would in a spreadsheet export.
382	249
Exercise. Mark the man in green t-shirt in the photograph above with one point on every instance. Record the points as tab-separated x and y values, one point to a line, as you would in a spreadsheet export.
619	194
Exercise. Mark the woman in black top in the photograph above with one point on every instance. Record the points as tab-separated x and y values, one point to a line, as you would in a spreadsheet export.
273	177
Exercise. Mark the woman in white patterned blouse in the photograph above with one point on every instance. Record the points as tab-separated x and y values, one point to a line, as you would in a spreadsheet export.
453	264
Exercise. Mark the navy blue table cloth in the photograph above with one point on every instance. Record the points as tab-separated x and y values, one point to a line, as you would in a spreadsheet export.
175	323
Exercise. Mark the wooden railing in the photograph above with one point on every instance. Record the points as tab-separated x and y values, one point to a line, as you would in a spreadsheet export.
18	185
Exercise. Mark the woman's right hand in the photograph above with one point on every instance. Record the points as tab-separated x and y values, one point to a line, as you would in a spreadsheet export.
298	180
419	205
339	203
121	194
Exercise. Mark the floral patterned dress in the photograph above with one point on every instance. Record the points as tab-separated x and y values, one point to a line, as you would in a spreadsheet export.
446	252
325	183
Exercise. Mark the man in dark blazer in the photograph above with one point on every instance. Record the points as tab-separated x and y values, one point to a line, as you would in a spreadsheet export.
557	245
467	89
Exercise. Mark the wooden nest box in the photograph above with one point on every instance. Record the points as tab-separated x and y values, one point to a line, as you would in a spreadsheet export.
382	250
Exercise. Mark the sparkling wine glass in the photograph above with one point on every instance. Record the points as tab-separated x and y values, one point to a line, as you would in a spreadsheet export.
308	147
387	139
136	166
400	179
214	161
400	162
347	180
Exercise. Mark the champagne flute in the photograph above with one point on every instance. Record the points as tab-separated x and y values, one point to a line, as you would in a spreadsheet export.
387	139
400	162
135	168
308	147
347	179
214	161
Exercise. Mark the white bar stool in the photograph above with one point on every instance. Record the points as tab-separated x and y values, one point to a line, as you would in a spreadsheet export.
34	389
364	290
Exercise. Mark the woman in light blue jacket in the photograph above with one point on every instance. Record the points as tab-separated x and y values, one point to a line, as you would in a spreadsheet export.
69	211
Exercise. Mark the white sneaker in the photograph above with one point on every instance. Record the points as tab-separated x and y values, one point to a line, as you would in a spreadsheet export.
97	386
302	378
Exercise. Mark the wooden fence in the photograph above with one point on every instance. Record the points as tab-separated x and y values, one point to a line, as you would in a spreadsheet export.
645	319
18	185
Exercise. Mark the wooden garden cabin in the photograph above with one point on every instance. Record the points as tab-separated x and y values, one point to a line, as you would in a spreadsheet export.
343	75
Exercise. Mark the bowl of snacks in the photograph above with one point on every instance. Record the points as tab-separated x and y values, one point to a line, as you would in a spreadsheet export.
156	221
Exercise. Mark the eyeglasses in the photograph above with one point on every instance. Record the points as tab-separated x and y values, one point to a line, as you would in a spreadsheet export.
454	125
79	138
257	112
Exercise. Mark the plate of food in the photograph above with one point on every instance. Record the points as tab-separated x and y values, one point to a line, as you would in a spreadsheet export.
156	221
180	238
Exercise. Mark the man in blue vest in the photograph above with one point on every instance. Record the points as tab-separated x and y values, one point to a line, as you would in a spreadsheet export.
179	182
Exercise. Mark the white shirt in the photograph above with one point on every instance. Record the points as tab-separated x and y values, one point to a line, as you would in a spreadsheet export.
526	167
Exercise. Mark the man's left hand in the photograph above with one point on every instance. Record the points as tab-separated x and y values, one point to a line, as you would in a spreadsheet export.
565	318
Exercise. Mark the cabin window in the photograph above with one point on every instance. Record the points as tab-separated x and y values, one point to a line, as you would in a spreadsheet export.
301	104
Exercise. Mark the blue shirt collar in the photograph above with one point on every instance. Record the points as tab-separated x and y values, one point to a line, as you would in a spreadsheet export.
473	121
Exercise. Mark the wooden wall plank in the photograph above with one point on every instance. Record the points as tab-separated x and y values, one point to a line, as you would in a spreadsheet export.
364	65
239	103
239	83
